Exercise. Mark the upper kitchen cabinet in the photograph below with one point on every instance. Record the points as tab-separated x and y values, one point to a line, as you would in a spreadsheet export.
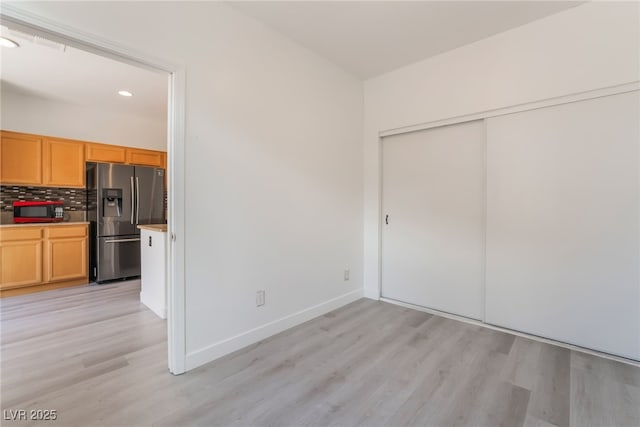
105	153
37	160
20	158
63	163
142	157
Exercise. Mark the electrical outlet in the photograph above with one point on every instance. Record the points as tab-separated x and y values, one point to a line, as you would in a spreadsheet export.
259	298
346	274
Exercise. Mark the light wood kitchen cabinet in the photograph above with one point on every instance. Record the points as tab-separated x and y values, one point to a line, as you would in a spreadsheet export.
105	153
20	158
142	157
20	257
38	258
37	160
65	255
63	163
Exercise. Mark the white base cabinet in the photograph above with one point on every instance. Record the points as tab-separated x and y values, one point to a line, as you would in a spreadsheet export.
153	247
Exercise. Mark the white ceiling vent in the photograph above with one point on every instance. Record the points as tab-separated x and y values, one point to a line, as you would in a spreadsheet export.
39	40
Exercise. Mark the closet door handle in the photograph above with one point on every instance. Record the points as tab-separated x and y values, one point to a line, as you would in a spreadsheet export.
386	220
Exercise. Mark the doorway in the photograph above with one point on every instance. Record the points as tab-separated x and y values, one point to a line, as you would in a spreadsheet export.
20	21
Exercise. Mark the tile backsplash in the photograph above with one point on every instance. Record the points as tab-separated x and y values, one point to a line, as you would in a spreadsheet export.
75	199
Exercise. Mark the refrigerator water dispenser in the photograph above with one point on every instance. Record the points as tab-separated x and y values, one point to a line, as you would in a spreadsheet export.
111	202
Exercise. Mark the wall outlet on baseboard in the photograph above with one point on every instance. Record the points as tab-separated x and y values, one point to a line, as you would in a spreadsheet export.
346	274
259	298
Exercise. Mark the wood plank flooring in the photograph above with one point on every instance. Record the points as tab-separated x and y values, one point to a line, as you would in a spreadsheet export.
98	357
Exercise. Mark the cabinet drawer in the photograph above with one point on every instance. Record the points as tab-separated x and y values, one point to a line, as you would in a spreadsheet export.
56	232
20	233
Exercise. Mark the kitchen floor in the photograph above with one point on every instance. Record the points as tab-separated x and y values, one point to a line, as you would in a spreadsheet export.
99	357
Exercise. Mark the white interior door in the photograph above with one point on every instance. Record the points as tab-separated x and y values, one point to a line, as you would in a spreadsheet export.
562	223
433	201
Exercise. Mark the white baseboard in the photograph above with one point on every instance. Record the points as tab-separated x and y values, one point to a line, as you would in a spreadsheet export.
222	348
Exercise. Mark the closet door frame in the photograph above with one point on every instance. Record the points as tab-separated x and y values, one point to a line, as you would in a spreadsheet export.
483	115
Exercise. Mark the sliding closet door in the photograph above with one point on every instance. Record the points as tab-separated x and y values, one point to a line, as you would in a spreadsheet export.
432	237
562	223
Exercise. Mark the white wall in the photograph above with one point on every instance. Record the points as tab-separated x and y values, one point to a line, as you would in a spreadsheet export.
273	165
591	46
23	112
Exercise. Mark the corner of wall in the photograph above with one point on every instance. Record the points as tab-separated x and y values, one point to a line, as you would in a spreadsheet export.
372	293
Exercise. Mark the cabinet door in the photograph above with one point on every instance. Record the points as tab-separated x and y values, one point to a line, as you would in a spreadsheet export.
63	163
105	153
145	157
66	259
20	263
20	158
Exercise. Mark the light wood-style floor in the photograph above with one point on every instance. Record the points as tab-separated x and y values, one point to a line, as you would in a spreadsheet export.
99	357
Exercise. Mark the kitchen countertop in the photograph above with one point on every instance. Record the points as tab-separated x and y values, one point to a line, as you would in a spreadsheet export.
45	224
153	227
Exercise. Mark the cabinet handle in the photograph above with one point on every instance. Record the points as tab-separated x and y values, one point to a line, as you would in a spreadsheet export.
386	220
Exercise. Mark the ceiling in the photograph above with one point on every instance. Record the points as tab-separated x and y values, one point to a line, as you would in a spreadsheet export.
52	71
366	38
369	38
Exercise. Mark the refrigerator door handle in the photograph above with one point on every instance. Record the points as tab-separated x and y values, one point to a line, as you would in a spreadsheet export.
131	200
122	240
137	200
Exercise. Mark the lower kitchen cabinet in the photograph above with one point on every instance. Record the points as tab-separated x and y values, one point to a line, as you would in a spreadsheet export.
20	258
38	258
65	253
153	251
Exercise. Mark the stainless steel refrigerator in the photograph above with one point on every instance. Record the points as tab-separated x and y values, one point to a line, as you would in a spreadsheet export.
119	198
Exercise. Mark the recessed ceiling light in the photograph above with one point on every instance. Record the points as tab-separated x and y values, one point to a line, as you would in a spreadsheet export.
5	42
124	93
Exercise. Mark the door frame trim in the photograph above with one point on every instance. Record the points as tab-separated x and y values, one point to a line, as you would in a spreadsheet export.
56	31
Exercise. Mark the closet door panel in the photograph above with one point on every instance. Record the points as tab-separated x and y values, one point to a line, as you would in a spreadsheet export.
563	223
432	248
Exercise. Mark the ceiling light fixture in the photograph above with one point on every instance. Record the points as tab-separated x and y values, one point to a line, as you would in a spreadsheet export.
125	93
6	42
